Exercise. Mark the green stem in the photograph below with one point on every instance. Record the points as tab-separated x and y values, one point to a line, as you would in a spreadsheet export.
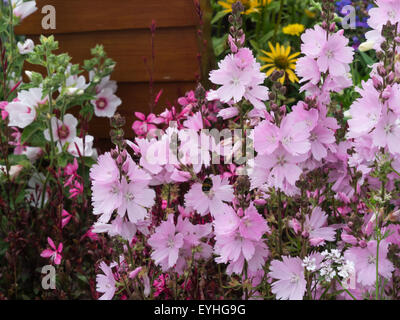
347	291
278	22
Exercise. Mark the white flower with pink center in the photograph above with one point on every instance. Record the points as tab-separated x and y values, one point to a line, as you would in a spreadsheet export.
75	84
104	83
22	111
63	131
106	103
26	47
20	114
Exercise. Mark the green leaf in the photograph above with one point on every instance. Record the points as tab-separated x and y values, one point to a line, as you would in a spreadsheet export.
219	45
17	159
63	159
254	44
219	16
368	60
33	135
266	37
82	278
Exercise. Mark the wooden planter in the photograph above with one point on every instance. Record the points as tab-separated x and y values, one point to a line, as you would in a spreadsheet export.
123	27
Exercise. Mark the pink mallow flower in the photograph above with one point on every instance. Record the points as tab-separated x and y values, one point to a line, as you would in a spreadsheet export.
313	225
211	200
105	283
292	135
54	254
137	197
239	238
240	77
166	242
365	262
291	284
335	55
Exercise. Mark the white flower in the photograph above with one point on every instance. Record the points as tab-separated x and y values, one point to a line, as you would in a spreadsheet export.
23	9
103	83
32	153
346	270
14	170
23	111
77	144
26	47
35	190
63	131
75	84
20	114
106	103
309	263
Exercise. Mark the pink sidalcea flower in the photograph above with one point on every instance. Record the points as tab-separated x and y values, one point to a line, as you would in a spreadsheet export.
365	262
292	135
252	225
54	253
105	283
232	79
136	198
284	168
211	201
105	171
166	243
240	77
386	10
387	133
313	41
365	112
335	55
291	284
314	226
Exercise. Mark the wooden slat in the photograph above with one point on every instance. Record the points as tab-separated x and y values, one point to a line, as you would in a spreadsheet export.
175	52
93	15
135	97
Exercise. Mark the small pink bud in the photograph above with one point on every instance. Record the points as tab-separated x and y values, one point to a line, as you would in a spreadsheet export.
362	243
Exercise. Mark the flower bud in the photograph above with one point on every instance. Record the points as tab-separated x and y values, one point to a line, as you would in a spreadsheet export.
377	83
305	234
362	243
381	70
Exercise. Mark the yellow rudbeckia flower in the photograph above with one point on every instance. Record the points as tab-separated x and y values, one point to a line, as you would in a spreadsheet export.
279	58
250	6
293	29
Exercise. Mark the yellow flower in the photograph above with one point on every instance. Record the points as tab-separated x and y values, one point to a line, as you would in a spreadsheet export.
250	6
279	58
293	29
